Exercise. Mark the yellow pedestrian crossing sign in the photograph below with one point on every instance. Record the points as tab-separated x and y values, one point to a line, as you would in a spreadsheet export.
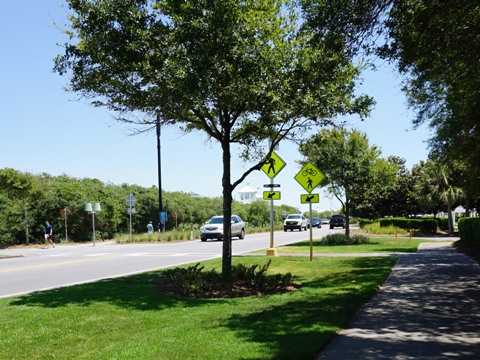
309	177
309	198
272	165
271	195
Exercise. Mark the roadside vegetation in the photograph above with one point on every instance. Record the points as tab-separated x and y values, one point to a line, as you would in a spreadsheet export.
180	235
376	229
129	318
376	244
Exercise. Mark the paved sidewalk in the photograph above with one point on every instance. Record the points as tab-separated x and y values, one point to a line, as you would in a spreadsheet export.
429	308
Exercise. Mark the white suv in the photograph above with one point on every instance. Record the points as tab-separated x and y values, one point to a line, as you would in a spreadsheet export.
213	229
295	221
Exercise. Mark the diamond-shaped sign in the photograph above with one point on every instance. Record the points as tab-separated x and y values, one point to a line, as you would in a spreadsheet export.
273	165
309	177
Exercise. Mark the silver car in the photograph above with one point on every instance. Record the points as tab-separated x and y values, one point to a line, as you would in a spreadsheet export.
213	229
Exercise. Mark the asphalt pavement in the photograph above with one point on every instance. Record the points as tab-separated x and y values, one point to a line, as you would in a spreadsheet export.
428	308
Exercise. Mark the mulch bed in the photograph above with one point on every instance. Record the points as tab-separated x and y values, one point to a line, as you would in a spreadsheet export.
237	289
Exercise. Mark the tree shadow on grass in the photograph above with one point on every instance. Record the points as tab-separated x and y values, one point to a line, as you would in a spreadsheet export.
299	328
132	292
294	327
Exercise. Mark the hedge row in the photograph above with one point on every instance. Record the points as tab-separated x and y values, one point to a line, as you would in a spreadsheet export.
423	225
469	230
442	222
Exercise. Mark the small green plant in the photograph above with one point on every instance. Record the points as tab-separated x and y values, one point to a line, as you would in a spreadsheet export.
342	239
247	281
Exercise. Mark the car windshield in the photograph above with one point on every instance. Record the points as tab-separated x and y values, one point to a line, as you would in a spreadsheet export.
294	216
216	220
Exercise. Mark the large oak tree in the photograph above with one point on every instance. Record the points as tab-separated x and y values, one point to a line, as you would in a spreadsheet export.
240	72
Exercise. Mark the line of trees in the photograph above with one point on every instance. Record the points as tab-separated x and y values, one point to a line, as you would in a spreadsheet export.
371	187
27	200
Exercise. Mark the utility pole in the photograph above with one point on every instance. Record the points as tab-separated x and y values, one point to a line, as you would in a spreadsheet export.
160	204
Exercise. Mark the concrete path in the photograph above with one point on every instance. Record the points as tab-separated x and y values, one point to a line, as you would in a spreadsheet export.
429	308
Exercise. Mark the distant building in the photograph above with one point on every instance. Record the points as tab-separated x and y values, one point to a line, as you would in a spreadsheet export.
248	195
193	194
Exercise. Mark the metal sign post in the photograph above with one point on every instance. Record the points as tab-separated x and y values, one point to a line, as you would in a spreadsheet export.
309	177
272	165
131	201
311	235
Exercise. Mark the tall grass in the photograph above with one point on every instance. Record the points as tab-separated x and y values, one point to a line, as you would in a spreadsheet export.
376	229
166	236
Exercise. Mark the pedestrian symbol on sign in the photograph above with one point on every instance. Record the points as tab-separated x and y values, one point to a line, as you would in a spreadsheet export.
309	177
272	165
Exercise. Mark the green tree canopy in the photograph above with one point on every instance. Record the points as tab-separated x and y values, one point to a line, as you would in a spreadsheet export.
351	167
238	71
436	185
436	44
23	189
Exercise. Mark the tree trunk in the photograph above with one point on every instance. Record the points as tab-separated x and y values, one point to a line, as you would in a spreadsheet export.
227	215
347	217
450	218
27	235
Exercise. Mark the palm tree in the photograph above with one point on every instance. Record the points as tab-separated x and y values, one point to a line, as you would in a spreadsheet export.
436	186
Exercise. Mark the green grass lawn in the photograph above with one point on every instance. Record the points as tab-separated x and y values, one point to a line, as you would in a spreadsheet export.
380	244
127	318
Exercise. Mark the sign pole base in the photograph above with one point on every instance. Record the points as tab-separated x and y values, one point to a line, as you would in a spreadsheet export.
272	252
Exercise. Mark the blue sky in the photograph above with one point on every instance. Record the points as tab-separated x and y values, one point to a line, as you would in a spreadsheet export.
45	129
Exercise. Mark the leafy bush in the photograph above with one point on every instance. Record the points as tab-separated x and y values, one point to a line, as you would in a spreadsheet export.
423	225
246	281
364	222
375	228
469	230
342	239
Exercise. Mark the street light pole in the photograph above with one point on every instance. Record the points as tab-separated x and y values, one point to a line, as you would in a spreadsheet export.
160	205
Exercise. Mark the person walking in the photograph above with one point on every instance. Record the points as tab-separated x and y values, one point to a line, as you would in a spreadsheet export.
150	228
48	234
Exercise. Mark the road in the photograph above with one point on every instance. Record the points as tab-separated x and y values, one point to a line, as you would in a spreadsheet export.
34	269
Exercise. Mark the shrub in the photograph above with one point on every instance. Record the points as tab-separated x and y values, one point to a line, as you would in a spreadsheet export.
469	230
375	228
364	222
246	281
342	239
423	225
442	223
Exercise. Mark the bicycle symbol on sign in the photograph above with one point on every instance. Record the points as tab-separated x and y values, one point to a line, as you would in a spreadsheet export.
309	171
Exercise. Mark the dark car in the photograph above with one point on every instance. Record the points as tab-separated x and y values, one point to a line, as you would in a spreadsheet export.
315	222
338	221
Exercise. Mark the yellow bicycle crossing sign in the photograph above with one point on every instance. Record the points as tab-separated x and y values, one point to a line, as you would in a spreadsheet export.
272	165
309	177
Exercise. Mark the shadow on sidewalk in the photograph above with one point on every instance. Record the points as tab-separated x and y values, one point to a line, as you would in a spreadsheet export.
429	308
